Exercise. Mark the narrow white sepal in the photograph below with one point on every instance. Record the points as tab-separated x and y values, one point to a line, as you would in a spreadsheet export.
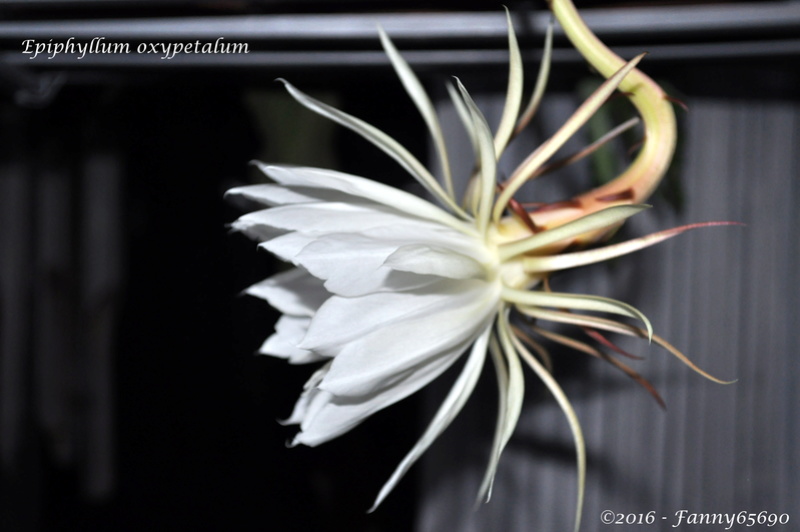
486	159
383	141
513	93
572	419
420	98
501	371
576	302
515	394
451	406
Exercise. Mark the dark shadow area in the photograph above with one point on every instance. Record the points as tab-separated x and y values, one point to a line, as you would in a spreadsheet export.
195	439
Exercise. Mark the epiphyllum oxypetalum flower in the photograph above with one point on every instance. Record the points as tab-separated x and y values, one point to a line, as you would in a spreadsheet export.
390	290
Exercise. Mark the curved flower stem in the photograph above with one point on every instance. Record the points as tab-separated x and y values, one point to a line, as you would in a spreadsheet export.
639	180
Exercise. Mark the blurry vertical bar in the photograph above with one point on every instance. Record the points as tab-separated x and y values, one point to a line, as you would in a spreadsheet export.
55	306
20	494
100	281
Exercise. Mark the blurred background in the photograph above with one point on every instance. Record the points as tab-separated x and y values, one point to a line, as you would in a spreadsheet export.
130	395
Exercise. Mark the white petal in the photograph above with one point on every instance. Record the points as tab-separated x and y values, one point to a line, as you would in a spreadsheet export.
376	361
333	217
391	364
449	409
364	188
344	319
354	264
289	332
325	416
350	264
293	292
271	195
326	218
287	246
311	396
250	225
435	260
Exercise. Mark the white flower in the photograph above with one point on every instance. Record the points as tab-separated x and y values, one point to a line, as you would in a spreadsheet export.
389	290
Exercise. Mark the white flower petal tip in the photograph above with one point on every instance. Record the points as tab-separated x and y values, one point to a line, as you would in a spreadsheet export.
430	260
390	290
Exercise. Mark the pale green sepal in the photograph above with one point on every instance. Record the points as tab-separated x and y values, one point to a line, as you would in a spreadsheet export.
581	320
463	115
575	302
487	161
581	258
541	81
567	341
591	222
572	419
551	145
451	406
513	94
513	403
501	371
595	322
590	149
420	97
383	141
471	199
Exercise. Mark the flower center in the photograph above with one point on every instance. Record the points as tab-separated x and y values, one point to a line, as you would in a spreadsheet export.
510	272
